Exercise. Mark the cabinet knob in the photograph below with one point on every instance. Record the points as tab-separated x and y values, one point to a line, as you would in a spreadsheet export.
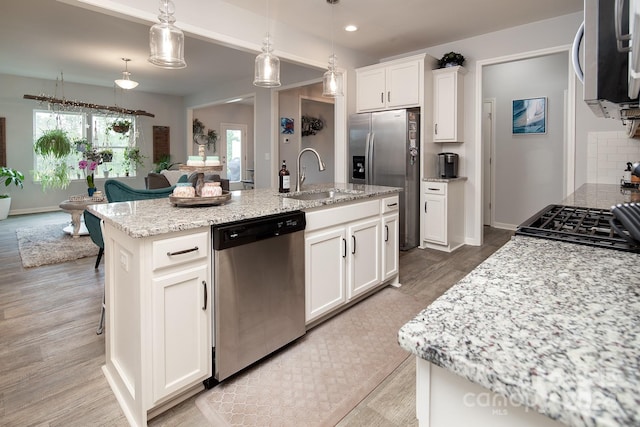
381	97
386	227
389	96
425	207
353	239
436	129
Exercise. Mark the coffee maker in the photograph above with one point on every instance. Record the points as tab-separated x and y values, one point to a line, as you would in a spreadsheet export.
447	165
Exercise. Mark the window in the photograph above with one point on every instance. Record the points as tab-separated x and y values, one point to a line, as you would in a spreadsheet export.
92	136
235	142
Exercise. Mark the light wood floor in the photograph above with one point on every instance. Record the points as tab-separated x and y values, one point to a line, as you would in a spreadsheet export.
51	357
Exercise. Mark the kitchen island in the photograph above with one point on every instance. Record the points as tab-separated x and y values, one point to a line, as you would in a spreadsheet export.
159	293
542	333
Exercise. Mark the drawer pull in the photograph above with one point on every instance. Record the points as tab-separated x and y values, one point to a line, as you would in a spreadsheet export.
386	227
390	205
425	207
344	247
353	239
434	189
186	251
204	285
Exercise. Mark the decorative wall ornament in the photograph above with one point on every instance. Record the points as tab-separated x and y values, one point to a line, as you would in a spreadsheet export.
286	125
311	125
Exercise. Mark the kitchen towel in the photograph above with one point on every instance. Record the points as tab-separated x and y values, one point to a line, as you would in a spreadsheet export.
322	376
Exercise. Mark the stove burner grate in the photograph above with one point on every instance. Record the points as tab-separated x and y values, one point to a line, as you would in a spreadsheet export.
586	226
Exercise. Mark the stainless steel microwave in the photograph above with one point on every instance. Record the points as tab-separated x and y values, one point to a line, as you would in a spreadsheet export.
608	71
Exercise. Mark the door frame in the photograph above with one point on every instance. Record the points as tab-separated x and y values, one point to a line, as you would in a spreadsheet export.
489	183
569	136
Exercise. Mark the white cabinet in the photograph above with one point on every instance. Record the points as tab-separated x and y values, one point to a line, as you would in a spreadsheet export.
181	347
347	251
325	276
158	319
390	237
394	84
363	259
448	105
442	225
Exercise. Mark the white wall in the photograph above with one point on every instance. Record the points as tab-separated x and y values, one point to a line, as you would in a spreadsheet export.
528	169
608	154
168	111
212	116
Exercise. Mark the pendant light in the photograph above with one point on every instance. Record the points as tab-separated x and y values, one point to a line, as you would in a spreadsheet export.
267	67
166	41
332	79
125	82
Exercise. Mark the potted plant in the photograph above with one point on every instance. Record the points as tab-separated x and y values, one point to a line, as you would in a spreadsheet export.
451	59
105	172
133	158
82	145
121	126
212	137
56	177
8	176
106	155
55	143
164	163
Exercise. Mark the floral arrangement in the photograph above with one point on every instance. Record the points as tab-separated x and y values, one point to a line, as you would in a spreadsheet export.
451	59
89	168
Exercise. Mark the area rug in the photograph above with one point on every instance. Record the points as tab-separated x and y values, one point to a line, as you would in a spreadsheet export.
322	376
48	244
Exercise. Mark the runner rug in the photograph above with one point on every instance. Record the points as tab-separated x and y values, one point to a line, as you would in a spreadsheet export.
48	244
322	376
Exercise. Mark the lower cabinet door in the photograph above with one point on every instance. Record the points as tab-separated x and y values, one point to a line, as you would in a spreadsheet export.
390	246
325	254
181	339
435	216
364	256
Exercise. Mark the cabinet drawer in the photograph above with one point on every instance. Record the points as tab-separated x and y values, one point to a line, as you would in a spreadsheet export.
390	204
435	188
180	250
339	215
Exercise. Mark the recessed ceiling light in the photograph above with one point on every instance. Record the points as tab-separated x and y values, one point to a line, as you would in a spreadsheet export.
351	28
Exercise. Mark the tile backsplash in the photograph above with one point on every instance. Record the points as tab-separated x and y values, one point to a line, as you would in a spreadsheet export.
608	154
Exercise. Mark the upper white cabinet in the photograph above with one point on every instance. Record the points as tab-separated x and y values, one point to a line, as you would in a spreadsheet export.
389	85
448	105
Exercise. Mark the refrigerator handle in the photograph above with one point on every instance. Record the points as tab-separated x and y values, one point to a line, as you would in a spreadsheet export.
367	161
370	154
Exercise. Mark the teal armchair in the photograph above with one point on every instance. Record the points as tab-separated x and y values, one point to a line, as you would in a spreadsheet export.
117	191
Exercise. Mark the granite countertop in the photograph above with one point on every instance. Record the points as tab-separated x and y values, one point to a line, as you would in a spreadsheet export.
551	325
145	218
438	179
601	196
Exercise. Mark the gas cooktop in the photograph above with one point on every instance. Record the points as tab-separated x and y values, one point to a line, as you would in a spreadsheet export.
586	226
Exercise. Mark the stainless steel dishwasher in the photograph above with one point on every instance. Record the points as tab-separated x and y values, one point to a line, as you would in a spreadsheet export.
259	300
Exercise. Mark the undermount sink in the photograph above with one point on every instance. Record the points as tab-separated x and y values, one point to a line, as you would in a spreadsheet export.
319	195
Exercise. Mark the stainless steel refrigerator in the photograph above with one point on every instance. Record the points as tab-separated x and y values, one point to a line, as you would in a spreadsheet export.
383	150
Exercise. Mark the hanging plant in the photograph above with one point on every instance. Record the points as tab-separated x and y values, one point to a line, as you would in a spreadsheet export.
121	126
55	143
451	59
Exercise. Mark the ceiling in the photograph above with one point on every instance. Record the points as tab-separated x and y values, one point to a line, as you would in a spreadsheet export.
44	38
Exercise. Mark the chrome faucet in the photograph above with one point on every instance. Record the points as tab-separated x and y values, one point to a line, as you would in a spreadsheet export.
300	177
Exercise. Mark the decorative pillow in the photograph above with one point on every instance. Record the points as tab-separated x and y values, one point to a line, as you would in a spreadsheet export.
172	176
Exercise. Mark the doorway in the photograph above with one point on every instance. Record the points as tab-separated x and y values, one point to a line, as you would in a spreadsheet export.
522	173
